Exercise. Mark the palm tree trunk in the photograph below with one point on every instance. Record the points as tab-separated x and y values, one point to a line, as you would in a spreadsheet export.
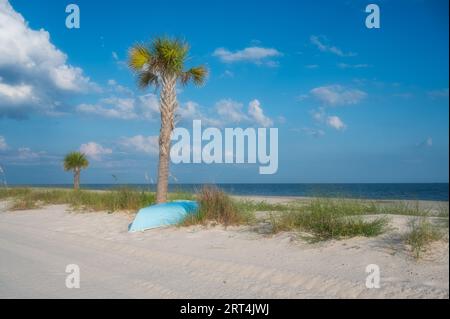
168	105
76	179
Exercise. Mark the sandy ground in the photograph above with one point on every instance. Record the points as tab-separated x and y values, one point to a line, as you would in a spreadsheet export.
37	245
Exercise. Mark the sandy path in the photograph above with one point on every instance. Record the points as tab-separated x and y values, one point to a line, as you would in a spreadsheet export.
36	246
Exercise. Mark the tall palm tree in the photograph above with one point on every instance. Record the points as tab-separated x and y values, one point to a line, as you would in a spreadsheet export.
75	161
161	63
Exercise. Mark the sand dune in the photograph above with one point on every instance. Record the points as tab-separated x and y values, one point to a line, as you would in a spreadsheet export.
36	246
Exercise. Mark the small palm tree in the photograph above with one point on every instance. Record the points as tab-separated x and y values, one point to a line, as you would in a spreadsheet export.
75	161
162	64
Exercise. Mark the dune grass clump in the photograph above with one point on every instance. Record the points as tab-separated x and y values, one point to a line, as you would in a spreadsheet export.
420	235
327	219
215	206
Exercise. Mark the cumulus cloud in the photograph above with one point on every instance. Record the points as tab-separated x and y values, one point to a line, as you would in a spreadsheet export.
231	111
256	55
116	87
35	74
321	117
226	112
322	45
124	108
94	150
257	114
336	123
140	143
335	95
190	111
3	145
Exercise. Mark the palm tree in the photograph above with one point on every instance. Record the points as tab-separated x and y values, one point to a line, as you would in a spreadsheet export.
161	63
75	161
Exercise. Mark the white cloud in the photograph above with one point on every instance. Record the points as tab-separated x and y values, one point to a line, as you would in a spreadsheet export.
120	108
129	108
257	55
353	66
140	143
26	156
428	142
120	63
16	94
116	87
227	74
301	97
226	112
257	114
318	114
231	111
320	43
334	95
312	132
189	110
3	145
321	117
312	66
25	153
35	74
94	150
438	94
335	122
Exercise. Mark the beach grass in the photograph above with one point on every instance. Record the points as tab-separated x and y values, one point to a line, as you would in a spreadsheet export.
252	206
327	219
422	232
123	198
216	207
322	218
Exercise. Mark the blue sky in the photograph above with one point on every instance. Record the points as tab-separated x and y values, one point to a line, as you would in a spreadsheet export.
351	104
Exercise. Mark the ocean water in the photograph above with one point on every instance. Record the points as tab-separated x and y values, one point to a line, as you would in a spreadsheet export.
419	191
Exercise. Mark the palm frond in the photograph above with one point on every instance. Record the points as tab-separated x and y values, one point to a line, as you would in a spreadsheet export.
196	74
146	79
170	54
138	57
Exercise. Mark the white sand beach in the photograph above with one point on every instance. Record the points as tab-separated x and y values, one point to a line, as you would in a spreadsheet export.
198	262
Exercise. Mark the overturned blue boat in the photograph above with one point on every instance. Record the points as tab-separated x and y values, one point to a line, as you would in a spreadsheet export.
161	215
